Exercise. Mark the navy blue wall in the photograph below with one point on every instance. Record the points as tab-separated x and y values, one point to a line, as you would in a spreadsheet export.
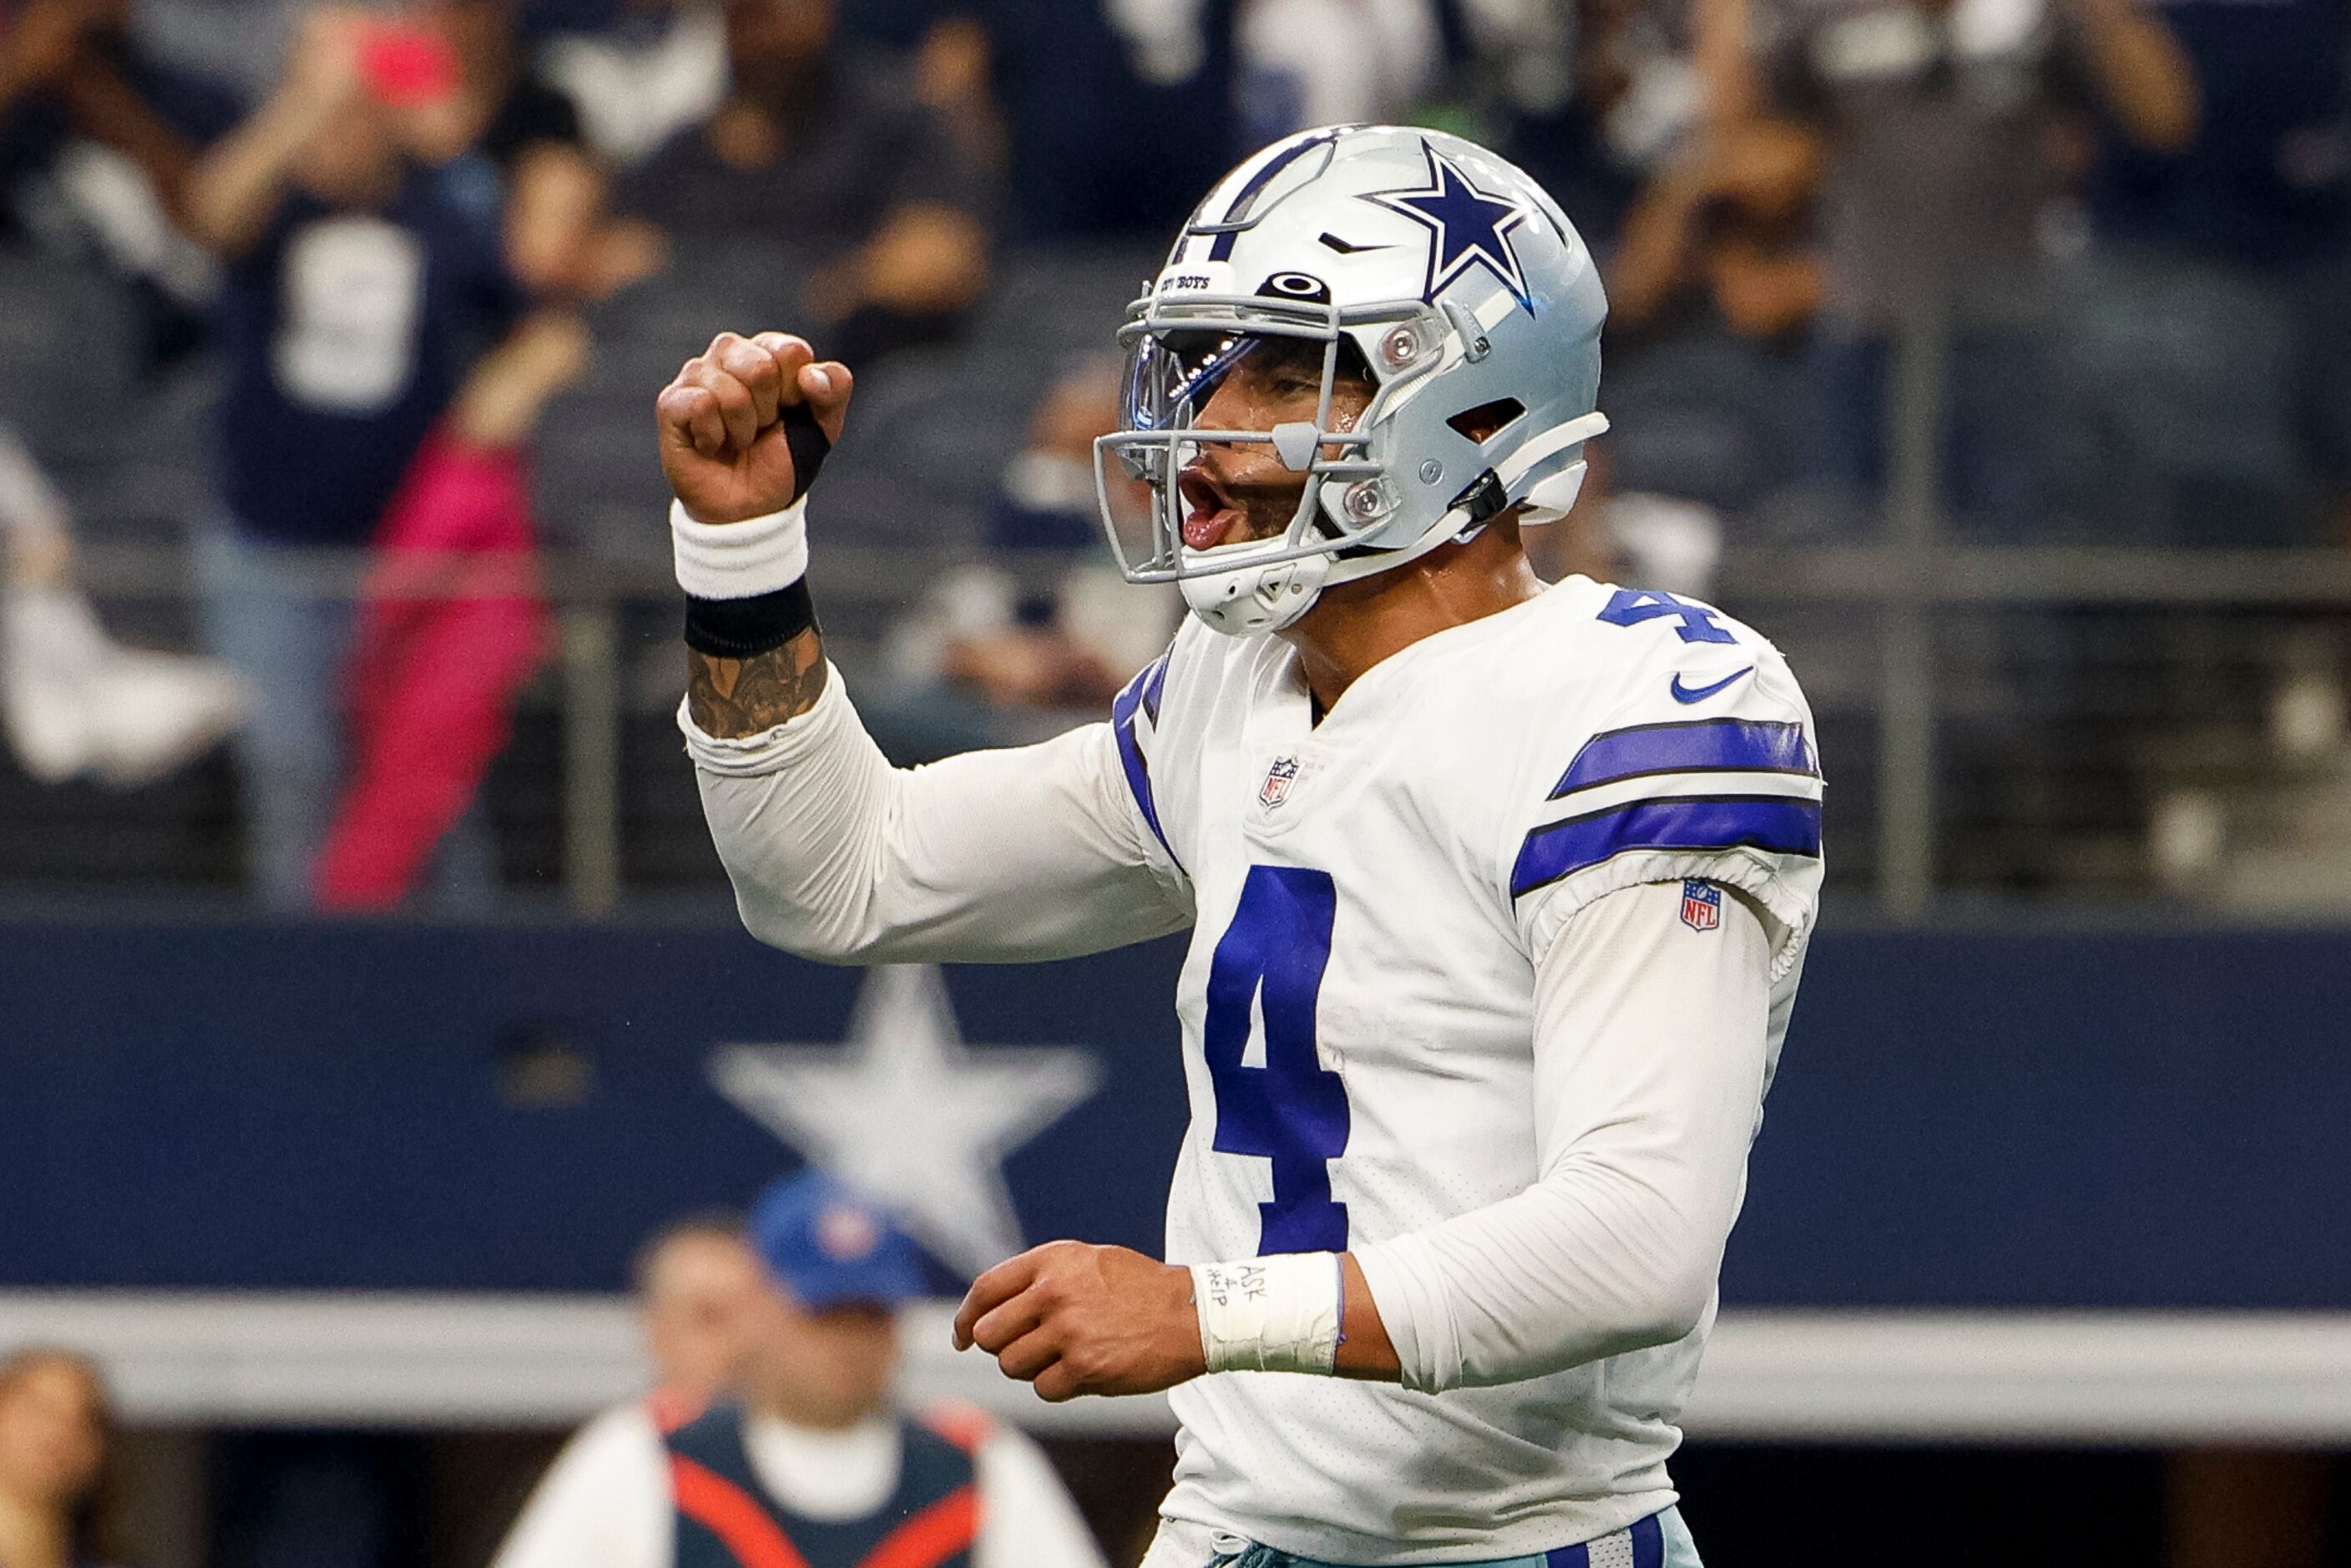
2111	1119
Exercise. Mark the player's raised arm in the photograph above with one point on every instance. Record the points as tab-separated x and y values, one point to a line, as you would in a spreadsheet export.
745	429
1040	851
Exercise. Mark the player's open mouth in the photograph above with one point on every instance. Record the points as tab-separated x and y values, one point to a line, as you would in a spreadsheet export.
1210	516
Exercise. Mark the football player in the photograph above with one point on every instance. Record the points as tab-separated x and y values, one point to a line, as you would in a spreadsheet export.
1498	893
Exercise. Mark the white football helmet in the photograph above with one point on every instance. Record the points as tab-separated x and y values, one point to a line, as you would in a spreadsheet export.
1466	293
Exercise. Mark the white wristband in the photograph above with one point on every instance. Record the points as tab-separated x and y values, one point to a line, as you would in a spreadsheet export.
1269	1314
739	560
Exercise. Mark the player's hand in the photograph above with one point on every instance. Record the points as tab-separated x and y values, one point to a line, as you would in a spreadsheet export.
1076	1319
723	439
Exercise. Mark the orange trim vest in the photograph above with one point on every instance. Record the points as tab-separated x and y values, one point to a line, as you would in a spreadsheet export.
726	1519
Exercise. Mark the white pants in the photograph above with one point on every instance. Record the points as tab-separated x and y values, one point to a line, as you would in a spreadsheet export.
1181	1543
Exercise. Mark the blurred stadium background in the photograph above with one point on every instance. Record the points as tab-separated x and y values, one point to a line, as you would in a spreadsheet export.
369	989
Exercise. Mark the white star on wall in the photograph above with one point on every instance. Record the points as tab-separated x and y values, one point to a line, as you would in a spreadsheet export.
909	1112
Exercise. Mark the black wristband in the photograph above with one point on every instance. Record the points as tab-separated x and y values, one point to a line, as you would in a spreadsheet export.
739	628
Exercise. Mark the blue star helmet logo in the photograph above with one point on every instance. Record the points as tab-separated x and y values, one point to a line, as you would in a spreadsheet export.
1470	227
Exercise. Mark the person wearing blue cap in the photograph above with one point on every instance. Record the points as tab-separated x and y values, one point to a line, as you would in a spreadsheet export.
813	1465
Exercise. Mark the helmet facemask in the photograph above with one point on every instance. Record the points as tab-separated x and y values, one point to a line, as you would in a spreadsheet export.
1178	355
1473	308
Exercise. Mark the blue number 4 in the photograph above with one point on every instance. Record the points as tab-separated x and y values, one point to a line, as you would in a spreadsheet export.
1292	1110
1633	605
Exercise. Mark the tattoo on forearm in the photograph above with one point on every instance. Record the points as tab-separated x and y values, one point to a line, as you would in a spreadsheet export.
730	698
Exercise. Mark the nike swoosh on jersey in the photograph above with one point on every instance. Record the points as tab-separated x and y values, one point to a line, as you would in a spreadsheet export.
1683	693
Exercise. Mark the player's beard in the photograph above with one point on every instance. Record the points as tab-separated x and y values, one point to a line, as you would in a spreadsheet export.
1266	508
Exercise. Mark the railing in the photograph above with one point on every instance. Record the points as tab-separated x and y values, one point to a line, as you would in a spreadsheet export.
590	599
1888	678
1905	588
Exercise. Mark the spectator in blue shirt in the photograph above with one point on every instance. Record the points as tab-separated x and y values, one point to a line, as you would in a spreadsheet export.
359	286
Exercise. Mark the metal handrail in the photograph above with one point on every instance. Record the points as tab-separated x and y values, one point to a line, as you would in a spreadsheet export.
1996	575
1901	584
156	573
1947	576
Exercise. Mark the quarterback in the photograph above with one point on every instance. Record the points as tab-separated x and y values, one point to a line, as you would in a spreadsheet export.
1498	891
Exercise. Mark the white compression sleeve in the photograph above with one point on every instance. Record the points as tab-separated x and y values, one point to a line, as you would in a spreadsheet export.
1650	1045
1033	852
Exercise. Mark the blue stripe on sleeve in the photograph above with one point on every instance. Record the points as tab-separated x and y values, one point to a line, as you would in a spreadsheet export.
1141	691
1771	823
1700	746
1154	681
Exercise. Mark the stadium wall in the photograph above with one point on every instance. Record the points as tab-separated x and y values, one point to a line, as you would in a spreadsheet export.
1988	1152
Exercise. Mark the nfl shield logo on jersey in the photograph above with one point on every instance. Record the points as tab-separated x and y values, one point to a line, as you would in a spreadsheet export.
1701	906
1276	788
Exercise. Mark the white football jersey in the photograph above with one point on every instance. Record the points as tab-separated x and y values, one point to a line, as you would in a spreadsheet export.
1357	1009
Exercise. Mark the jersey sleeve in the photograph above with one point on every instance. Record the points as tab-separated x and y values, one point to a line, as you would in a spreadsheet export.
1651	794
1641	1155
1029	852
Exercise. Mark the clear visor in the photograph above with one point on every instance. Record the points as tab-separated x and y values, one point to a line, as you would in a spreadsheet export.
1171	376
1178	358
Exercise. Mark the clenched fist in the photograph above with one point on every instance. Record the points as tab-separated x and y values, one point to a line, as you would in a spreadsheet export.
1078	1319
725	432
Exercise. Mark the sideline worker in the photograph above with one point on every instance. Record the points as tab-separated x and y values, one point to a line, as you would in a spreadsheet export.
815	1466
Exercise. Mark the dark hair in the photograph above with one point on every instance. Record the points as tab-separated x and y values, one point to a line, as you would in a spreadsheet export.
93	1527
713	1224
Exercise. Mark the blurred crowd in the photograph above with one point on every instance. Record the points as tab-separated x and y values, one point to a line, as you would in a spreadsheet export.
423	267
